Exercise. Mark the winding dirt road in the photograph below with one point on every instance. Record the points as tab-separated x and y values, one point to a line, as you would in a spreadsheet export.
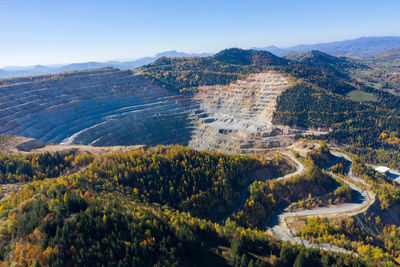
243	192
299	167
279	228
362	201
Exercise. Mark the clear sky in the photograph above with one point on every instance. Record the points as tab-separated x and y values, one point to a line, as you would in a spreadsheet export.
63	31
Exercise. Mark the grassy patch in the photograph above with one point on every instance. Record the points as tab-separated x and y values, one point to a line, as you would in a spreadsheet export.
361	96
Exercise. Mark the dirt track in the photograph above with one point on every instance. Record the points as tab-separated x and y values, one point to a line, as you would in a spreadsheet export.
364	199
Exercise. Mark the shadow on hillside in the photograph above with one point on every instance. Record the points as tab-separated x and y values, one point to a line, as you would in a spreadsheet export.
357	197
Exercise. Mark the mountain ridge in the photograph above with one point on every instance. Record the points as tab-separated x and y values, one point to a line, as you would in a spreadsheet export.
361	47
19	71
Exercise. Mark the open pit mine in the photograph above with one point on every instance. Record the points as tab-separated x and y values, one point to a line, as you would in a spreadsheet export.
121	107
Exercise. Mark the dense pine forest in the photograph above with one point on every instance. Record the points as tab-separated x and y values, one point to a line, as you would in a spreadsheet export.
114	212
38	166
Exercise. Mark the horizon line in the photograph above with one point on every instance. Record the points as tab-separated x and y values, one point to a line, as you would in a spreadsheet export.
122	60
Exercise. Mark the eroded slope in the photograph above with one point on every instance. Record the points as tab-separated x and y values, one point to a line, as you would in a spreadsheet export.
238	117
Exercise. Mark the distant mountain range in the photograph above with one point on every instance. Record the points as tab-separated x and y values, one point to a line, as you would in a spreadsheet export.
17	71
361	47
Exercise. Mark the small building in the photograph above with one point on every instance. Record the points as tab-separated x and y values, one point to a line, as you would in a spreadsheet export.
382	169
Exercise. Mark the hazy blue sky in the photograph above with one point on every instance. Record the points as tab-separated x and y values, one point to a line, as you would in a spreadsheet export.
62	31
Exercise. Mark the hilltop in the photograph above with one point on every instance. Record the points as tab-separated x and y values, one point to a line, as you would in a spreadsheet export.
238	56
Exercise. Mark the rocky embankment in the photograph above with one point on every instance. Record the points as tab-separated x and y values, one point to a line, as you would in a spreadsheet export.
238	117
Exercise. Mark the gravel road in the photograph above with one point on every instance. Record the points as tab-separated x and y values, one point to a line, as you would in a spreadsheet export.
361	200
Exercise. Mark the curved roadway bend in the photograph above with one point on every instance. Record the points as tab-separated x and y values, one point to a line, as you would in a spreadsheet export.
299	167
349	173
280	229
243	193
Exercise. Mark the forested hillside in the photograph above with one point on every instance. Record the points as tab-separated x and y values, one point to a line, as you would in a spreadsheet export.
323	93
32	167
114	214
223	68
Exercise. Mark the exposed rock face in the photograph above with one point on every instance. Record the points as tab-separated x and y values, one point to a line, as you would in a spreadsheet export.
238	117
113	107
106	107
